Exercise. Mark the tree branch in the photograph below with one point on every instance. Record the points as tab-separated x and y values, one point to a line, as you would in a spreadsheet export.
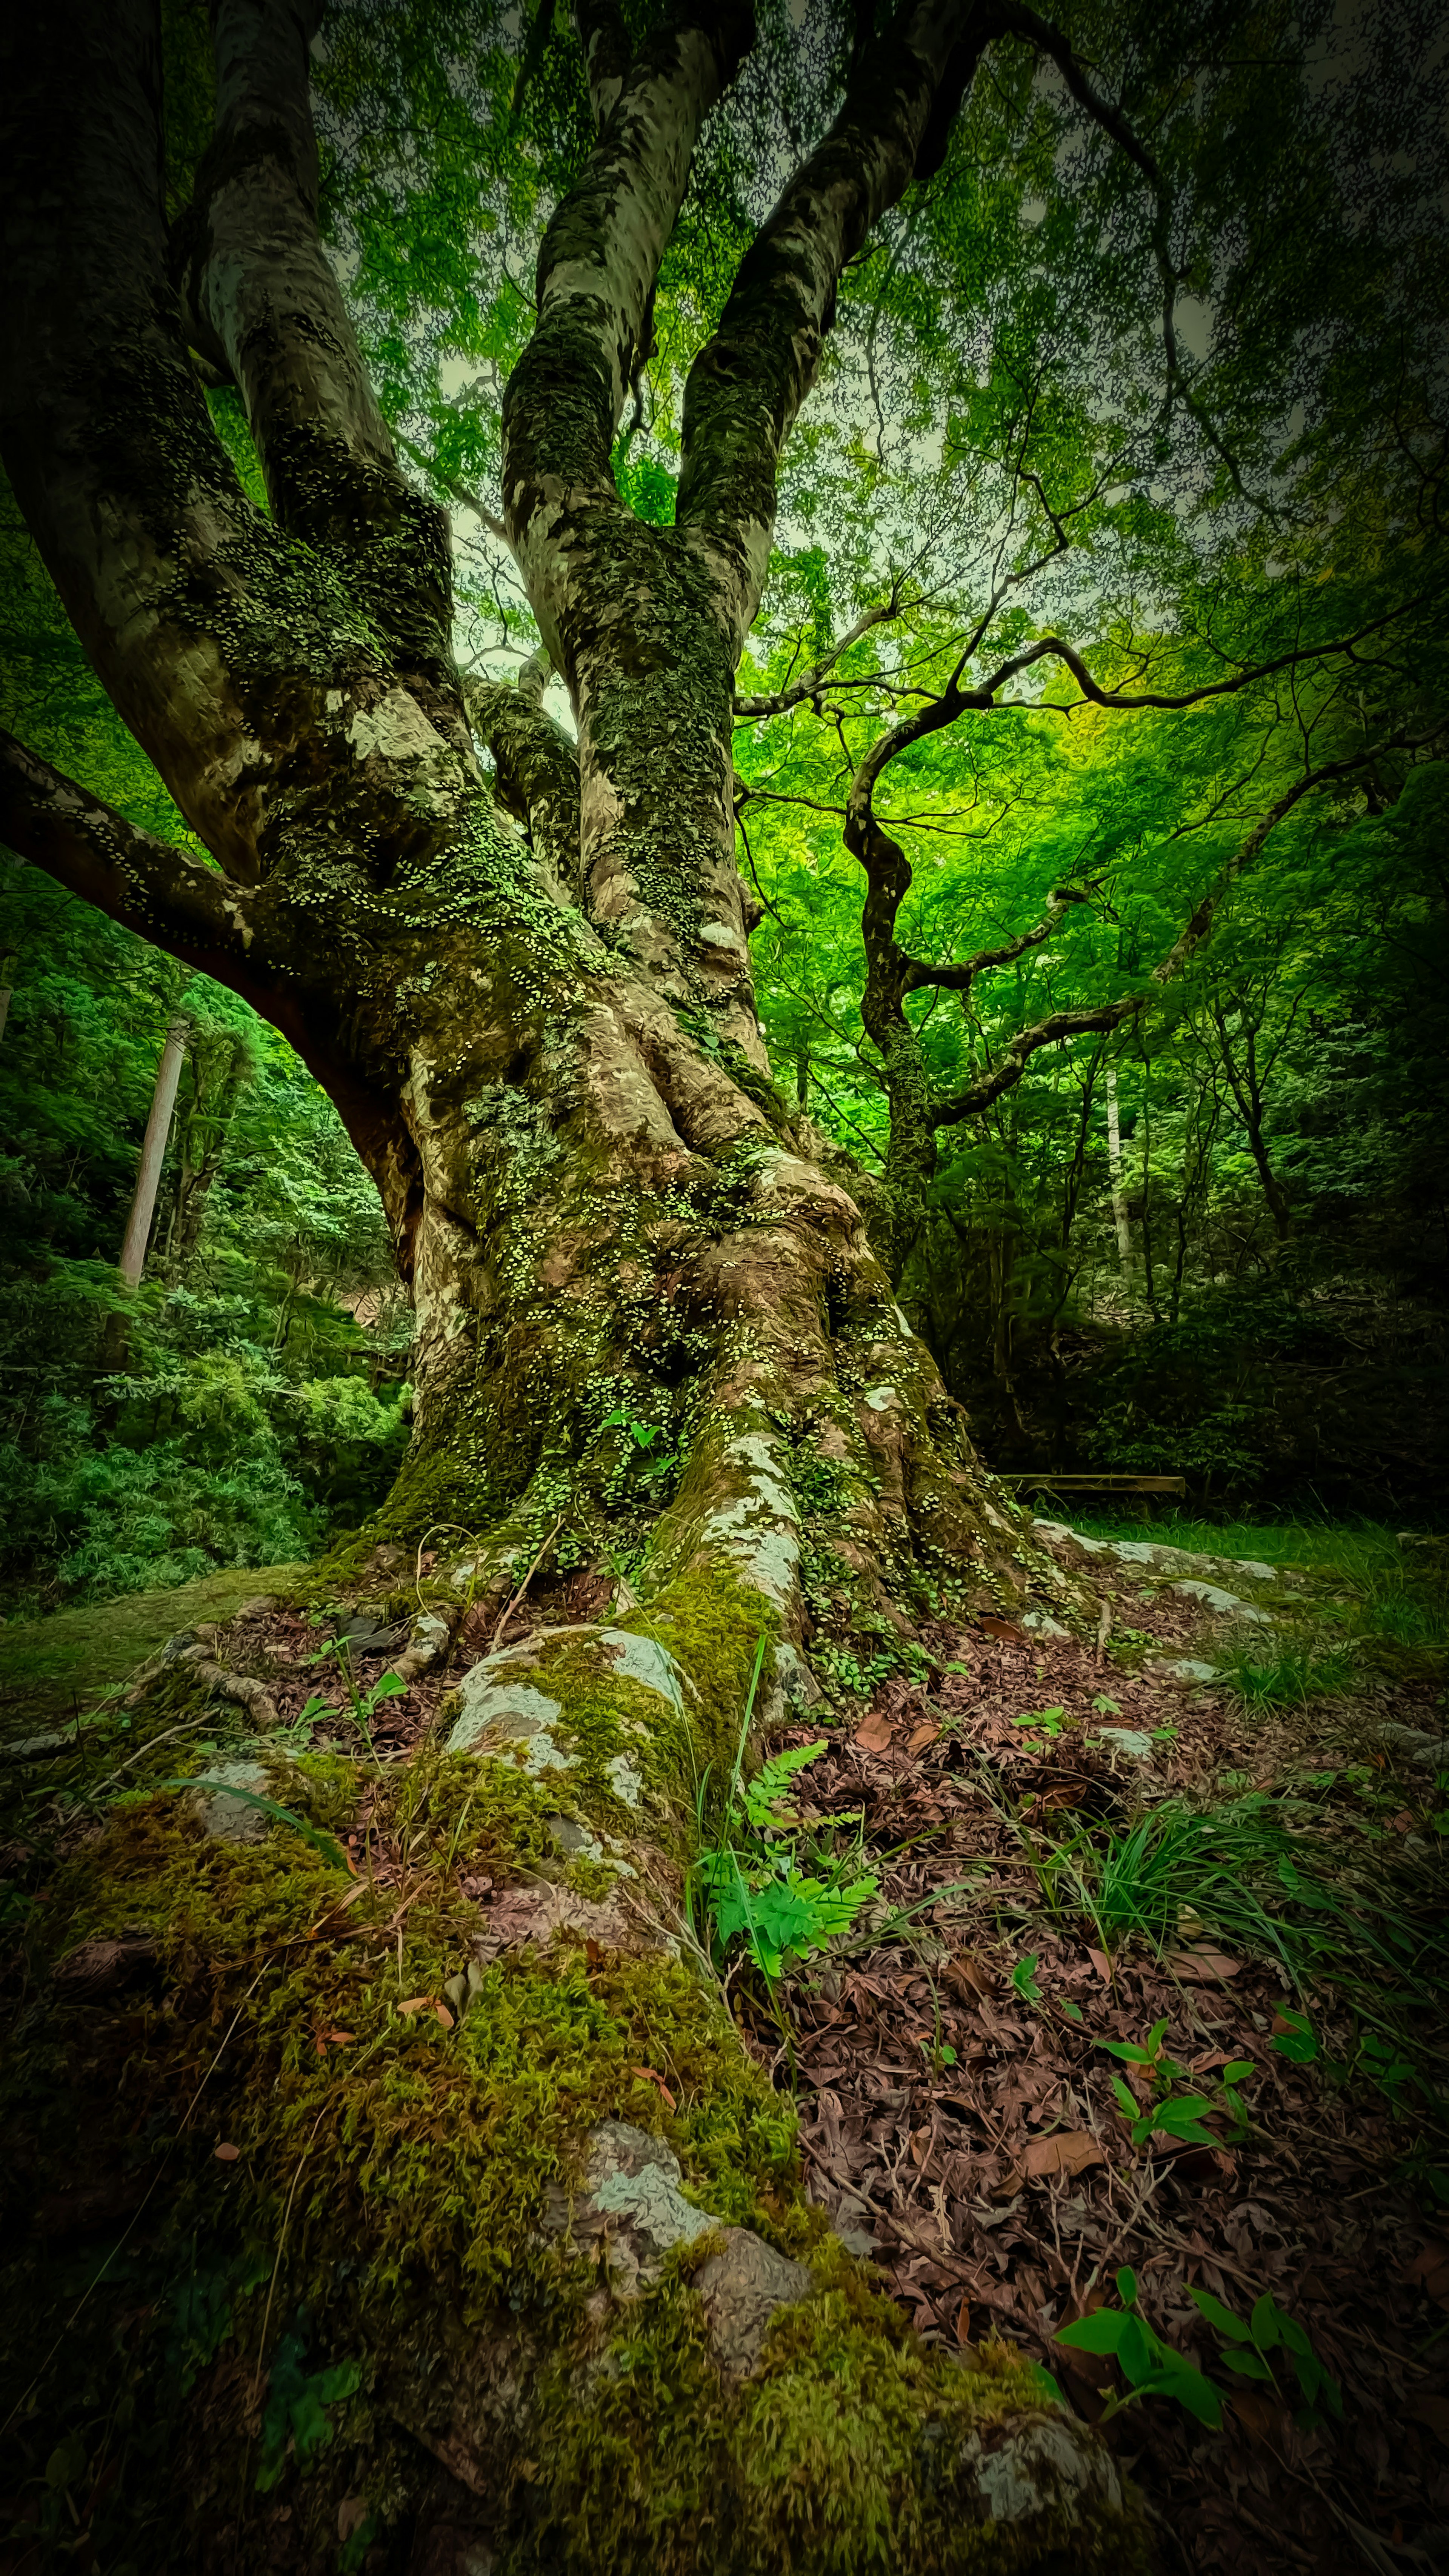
960	978
747	384
778	702
597	265
165	895
261	294
536	765
1051	1031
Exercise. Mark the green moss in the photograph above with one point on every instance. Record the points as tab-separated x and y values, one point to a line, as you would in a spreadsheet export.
49	1664
844	2455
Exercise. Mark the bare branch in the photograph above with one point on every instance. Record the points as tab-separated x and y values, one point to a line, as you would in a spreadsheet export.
777	703
163	893
1059	1025
960	978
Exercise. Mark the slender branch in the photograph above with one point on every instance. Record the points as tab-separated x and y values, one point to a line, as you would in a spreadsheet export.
1298	657
461	492
170	898
808	685
959	978
1059	1025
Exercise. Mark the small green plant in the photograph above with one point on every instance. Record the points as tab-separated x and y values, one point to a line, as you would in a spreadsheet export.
1386	2066
362	1706
656	1465
1248	2342
1050	1721
295	2419
1150	2367
1295	2040
1180	2115
748	1883
1023	1979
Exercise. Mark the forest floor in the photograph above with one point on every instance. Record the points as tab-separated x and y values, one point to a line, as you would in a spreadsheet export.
1084	1850
955	2070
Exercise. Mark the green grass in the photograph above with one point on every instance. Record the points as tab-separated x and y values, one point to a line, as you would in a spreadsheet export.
1287	1678
1390	1595
51	1668
1355	1550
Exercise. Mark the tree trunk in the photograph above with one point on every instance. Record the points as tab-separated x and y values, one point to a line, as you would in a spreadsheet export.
1117	1171
546	1053
153	1155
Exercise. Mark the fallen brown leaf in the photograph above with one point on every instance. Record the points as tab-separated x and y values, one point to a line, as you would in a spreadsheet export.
920	1736
647	2075
417	2003
1102	1964
1429	2271
1002	1628
1433	2411
1260	2415
1202	1966
967	1974
875	1734
1066	2151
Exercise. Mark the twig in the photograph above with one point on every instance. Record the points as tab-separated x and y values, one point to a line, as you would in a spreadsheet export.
523	1587
281	2243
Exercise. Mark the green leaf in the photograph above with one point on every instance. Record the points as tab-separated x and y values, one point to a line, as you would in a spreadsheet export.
325	1844
1182	2118
1265	2324
1249	2365
1101	2332
1127	2287
1219	2316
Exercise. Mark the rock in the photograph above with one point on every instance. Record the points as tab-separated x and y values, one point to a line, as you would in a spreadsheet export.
858	2241
99	1967
1042	1624
635	2206
1038	2463
742	2289
1134	1741
1223	1605
232	1820
536	1913
1431	1752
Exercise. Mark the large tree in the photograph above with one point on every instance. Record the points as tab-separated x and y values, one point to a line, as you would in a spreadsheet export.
527	986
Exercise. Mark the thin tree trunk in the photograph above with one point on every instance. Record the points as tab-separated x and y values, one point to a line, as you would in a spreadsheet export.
153	1154
1117	1171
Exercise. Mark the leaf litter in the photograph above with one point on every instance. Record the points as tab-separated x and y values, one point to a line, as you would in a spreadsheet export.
959	2122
